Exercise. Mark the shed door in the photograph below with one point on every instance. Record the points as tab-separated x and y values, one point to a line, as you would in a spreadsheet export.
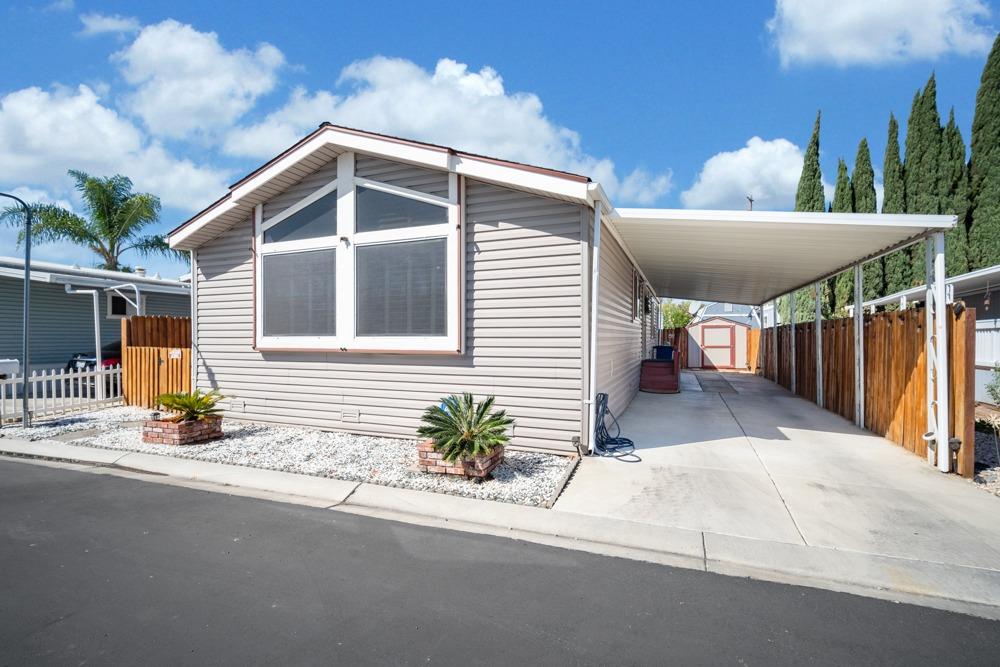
718	346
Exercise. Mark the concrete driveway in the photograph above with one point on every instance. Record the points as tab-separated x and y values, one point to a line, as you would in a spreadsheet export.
734	454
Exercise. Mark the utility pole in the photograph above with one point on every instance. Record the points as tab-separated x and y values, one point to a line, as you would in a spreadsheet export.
25	349
750	202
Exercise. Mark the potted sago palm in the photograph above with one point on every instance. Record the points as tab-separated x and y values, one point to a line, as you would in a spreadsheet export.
463	437
196	417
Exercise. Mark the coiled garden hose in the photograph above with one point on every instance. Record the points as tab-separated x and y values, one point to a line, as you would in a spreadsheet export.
605	444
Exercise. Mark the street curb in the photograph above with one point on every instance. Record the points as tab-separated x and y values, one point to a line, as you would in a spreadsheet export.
943	586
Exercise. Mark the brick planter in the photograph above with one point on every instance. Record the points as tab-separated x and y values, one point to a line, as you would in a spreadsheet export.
182	433
429	460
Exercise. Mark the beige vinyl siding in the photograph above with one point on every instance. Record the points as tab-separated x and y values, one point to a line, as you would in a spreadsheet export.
423	180
619	336
301	190
523	334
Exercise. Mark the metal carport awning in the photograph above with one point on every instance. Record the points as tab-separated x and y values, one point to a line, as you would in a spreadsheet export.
754	256
751	257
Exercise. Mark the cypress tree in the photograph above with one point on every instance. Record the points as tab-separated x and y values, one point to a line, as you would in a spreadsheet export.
865	201
843	283
984	167
897	268
922	166
809	196
955	196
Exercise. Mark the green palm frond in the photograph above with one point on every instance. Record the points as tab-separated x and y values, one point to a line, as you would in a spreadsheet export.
462	429
193	406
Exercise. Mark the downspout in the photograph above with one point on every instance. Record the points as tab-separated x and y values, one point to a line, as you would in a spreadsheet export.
98	365
595	285
194	321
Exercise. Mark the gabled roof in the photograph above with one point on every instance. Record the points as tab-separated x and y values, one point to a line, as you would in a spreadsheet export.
65	274
328	141
713	318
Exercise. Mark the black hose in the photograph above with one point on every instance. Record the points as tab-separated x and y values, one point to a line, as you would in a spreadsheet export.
605	444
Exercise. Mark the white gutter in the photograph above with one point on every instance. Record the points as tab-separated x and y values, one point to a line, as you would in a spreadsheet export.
595	289
98	380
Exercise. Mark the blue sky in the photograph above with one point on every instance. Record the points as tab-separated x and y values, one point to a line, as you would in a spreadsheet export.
667	104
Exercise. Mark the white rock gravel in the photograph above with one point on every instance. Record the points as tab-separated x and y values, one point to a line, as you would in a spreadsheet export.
107	418
523	478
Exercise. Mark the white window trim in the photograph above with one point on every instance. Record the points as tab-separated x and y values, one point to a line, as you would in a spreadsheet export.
346	241
130	310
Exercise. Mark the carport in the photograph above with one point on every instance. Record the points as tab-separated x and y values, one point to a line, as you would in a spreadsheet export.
759	472
755	257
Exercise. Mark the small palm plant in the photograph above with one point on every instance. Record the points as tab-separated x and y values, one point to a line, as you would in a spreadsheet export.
462	429
193	406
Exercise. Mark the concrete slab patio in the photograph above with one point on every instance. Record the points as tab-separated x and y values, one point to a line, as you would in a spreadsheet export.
747	459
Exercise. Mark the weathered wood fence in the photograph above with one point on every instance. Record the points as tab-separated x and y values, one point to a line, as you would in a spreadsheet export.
156	357
678	339
895	374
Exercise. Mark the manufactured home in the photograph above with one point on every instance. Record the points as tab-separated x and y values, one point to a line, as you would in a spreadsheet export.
70	304
356	278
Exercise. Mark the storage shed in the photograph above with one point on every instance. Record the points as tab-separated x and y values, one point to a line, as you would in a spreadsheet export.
717	343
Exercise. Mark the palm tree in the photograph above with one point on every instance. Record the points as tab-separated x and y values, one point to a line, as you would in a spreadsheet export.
114	222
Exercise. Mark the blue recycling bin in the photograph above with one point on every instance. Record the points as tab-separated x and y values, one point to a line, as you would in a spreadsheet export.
663	352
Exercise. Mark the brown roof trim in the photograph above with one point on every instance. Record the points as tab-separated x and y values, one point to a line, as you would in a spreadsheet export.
579	178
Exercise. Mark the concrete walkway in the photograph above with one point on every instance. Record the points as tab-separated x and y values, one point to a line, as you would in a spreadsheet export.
756	462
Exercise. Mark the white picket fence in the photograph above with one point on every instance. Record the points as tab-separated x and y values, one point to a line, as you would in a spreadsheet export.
56	392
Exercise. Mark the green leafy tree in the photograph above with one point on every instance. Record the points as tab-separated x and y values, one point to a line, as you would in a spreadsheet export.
955	196
809	196
984	167
676	314
116	221
843	202
897	266
922	166
865	201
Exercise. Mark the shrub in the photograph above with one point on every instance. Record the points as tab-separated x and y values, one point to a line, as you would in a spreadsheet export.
462	429
193	406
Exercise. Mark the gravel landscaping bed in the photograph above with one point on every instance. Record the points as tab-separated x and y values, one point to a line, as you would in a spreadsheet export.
523	478
104	419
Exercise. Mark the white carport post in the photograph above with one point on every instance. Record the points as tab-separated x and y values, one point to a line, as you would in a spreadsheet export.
791	324
859	348
931	436
774	337
940	357
595	285
818	330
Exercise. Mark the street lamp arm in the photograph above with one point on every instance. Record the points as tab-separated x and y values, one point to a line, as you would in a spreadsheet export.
26	326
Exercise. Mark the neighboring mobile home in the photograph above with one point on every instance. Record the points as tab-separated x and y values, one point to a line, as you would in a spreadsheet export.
357	278
62	323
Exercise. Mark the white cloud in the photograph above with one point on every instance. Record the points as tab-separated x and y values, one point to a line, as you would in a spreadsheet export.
44	133
186	83
62	251
60	6
768	170
101	24
450	105
850	32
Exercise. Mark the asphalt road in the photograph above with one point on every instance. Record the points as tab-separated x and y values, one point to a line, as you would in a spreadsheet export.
102	570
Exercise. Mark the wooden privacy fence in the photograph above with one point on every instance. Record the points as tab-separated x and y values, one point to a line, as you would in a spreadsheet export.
753	350
678	339
895	374
156	358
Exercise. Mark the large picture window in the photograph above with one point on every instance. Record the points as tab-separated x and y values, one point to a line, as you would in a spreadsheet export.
360	265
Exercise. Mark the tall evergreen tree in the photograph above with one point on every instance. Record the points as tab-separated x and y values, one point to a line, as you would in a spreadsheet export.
865	201
922	167
898	269
809	196
984	167
843	202
955	196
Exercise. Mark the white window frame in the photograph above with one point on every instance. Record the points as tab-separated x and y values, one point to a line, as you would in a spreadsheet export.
130	310
346	242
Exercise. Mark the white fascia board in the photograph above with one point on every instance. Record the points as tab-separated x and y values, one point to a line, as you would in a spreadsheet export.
178	238
698	216
37	276
917	293
518	177
431	157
